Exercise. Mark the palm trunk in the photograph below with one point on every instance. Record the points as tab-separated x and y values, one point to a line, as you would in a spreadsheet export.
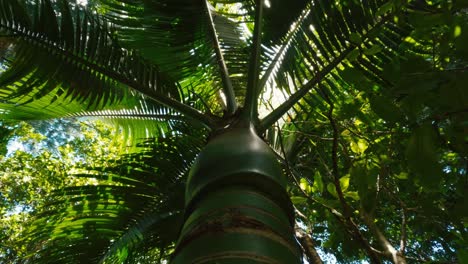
237	208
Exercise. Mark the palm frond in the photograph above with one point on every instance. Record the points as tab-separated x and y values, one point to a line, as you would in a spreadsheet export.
228	90
86	65
178	37
234	43
147	120
330	36
146	232
360	71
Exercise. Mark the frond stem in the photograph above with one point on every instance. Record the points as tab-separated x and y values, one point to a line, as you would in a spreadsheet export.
251	99
231	104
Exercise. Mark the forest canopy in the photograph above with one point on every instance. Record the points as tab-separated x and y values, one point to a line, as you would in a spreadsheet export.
106	105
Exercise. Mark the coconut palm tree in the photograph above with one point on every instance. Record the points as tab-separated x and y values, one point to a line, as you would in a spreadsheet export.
210	86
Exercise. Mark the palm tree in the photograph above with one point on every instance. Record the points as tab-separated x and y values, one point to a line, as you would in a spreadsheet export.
210	86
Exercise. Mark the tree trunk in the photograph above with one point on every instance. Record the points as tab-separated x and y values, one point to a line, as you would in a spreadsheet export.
308	246
237	209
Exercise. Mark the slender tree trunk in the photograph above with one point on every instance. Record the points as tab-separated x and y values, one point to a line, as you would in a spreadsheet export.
390	251
237	208
308	246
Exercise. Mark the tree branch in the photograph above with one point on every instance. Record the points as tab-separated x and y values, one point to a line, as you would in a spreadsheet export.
308	135
404	210
292	175
403	236
396	256
334	173
334	156
347	222
308	246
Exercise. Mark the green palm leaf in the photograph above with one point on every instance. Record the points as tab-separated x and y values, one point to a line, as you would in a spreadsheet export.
330	36
86	65
148	120
182	45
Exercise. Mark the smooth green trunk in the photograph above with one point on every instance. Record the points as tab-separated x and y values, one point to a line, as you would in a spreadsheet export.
237	208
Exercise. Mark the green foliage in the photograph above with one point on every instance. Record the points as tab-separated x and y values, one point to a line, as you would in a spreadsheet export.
422	156
6	131
29	174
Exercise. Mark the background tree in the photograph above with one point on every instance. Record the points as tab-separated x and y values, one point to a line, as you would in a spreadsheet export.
363	102
39	162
